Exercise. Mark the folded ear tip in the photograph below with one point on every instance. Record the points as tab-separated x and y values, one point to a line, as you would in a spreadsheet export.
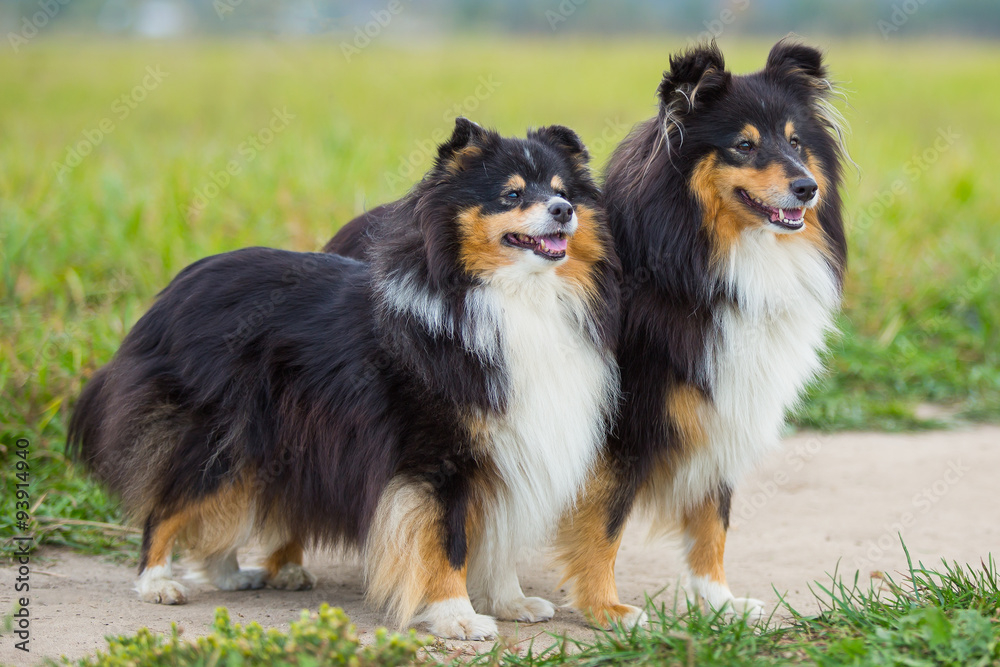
688	68
791	52
564	138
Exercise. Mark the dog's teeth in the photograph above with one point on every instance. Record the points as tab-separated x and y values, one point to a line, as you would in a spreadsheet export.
541	244
781	214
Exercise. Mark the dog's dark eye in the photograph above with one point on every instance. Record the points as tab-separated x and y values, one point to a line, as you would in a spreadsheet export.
744	146
512	195
562	193
794	142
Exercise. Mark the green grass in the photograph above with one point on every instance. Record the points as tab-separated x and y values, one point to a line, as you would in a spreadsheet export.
323	638
84	254
947	616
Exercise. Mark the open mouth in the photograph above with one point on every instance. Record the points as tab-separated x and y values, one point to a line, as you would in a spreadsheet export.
551	247
789	218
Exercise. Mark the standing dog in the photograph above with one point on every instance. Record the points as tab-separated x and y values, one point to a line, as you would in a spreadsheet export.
439	408
726	216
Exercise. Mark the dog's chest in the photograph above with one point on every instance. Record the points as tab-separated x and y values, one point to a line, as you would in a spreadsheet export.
765	348
559	388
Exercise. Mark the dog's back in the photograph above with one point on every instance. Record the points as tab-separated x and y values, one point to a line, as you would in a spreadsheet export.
210	386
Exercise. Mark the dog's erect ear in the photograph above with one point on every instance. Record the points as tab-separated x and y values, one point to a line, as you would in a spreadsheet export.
465	140
695	78
786	56
563	138
790	59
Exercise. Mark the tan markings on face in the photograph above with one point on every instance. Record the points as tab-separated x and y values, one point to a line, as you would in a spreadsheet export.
557	184
480	250
725	216
585	249
751	133
812	233
789	130
458	161
684	409
515	182
814	167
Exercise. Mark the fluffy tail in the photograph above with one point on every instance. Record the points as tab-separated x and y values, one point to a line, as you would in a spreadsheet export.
84	425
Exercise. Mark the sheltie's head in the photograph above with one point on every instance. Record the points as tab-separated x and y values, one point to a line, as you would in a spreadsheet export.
496	209
763	147
758	153
519	206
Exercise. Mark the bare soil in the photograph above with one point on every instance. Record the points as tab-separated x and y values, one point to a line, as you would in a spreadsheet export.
822	500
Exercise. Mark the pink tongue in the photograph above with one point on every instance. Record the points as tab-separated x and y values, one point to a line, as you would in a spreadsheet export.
790	214
555	243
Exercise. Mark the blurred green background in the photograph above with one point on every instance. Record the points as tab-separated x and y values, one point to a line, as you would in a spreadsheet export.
137	137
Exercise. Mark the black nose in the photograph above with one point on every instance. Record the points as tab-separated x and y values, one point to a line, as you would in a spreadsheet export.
804	189
561	211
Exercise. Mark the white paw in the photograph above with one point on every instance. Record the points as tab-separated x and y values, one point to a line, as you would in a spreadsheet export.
456	619
749	608
632	618
241	580
718	597
531	610
292	577
154	585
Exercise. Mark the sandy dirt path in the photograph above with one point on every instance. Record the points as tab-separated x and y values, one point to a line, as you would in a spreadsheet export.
820	499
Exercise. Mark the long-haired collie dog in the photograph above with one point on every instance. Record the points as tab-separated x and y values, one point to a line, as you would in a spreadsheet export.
438	408
726	216
727	219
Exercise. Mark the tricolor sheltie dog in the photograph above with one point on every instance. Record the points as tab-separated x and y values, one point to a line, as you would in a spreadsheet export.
726	216
438	408
727	219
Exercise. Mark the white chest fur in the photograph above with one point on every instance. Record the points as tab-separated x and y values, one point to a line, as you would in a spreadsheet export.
767	349
560	387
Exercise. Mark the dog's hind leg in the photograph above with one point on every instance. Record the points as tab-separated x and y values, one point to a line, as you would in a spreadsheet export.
155	583
225	573
223	522
284	568
705	543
